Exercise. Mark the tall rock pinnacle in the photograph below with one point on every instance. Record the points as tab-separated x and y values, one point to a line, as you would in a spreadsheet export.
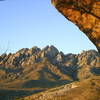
85	14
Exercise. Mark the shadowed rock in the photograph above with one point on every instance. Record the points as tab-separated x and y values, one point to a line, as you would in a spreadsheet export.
83	13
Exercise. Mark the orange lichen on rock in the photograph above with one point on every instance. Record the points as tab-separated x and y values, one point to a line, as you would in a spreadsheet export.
85	14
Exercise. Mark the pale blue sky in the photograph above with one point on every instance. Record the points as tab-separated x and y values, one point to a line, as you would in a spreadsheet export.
28	23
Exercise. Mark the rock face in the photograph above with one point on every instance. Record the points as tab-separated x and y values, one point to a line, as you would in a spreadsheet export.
49	52
85	14
48	66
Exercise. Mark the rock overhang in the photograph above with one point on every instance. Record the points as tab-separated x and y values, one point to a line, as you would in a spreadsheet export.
83	13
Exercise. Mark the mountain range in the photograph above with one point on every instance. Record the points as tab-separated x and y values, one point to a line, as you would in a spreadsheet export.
34	70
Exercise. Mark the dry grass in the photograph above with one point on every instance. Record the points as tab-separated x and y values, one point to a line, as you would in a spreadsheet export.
86	90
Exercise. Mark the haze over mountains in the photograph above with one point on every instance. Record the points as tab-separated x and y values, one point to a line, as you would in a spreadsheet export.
38	69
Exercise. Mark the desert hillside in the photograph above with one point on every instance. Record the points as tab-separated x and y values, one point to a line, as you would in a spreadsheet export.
88	89
33	70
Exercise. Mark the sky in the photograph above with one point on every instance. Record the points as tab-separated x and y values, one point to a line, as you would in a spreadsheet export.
28	23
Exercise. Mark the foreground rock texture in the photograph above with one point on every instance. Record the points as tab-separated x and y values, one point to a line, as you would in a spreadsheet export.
85	14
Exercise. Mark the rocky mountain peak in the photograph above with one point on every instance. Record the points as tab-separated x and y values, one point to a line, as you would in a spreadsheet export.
50	56
29	68
49	51
33	50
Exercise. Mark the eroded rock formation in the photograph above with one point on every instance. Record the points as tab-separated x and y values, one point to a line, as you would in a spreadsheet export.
85	14
39	69
47	64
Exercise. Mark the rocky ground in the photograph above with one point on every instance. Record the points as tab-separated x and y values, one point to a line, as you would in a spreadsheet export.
88	89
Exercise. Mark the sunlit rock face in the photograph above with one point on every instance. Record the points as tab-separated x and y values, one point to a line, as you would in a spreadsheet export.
85	14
